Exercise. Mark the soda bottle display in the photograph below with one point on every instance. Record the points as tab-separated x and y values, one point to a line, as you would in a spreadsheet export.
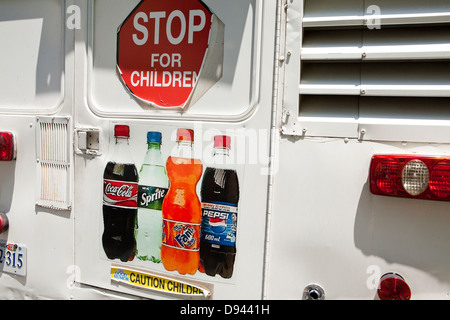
120	186
181	208
220	197
153	187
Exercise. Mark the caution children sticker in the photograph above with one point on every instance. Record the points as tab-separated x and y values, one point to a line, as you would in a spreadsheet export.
145	280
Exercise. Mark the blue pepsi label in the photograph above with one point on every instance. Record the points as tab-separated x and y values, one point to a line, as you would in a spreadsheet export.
219	223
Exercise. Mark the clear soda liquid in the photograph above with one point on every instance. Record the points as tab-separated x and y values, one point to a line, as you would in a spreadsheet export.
153	186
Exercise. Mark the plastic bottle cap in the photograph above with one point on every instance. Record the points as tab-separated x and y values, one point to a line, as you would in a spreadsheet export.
154	136
121	130
222	142
185	135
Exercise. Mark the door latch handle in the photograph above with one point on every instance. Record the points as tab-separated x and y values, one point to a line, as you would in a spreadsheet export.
87	141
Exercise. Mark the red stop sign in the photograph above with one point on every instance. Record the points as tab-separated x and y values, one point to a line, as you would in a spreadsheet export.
161	48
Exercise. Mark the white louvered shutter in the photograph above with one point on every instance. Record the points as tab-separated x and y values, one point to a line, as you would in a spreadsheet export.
53	160
366	61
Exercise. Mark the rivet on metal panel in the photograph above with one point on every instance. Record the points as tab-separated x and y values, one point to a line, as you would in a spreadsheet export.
285	116
313	292
362	132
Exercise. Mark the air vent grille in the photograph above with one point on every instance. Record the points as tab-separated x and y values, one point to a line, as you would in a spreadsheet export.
371	52
53	159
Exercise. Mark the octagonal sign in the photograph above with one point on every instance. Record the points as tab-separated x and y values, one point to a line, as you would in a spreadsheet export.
170	52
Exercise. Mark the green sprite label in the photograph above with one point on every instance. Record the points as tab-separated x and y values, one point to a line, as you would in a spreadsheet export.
151	197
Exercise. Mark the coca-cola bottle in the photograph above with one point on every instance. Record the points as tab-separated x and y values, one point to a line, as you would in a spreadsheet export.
120	187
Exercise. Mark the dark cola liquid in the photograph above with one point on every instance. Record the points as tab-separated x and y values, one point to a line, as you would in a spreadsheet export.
119	221
219	186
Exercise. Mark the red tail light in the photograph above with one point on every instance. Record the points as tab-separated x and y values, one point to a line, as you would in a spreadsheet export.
440	179
4	222
412	176
7	147
393	287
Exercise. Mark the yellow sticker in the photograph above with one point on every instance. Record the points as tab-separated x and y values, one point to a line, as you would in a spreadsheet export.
146	280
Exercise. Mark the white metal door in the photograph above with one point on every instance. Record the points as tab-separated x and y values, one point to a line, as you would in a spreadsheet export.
239	105
360	78
36	106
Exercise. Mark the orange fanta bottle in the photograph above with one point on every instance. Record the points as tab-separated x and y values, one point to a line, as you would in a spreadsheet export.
181	209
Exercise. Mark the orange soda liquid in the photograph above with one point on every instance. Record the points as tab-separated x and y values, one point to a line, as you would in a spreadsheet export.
182	214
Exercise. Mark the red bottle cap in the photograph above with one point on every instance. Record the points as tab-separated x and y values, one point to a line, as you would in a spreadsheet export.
222	142
121	130
185	135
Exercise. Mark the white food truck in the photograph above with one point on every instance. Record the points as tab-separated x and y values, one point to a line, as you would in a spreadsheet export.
334	115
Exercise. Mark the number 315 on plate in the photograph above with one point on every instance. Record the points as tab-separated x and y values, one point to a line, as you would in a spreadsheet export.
13	258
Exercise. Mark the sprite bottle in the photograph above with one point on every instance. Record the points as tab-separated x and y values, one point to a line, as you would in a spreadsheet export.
153	186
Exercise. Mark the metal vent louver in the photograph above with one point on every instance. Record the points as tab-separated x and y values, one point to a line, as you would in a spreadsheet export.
53	159
375	49
368	59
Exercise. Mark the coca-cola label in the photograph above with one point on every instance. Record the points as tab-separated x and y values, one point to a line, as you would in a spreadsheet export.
120	193
181	235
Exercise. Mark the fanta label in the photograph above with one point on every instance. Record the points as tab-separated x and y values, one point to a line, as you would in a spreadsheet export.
181	235
120	193
219	223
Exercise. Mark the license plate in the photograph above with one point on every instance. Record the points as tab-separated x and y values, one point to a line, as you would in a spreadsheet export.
13	258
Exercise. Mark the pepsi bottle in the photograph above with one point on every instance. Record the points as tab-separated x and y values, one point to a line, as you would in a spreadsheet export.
219	197
120	188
